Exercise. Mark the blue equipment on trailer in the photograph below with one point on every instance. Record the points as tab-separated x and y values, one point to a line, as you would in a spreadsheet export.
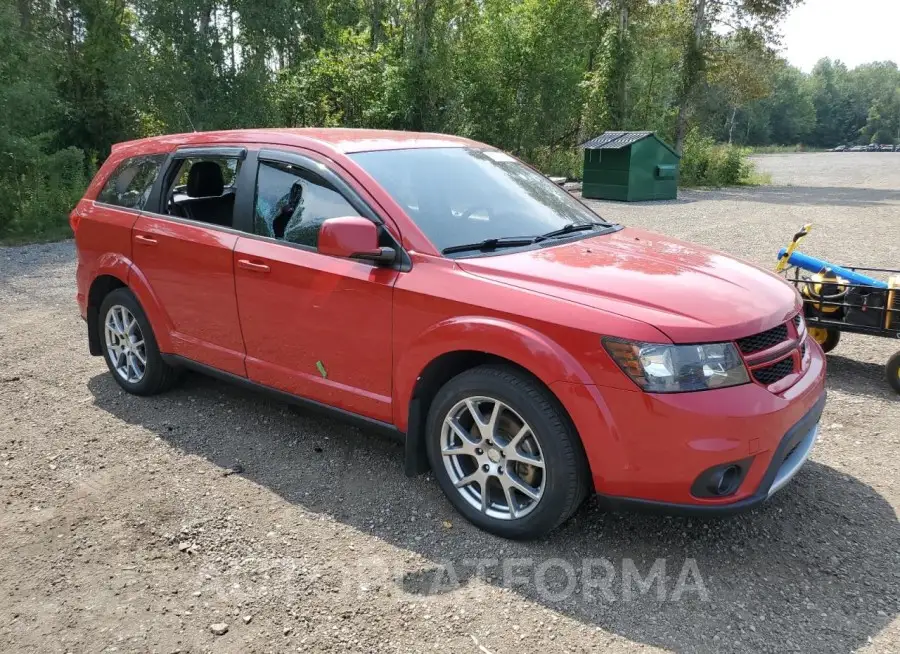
817	265
844	299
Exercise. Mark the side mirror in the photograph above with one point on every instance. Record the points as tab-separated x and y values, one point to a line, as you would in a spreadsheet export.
353	237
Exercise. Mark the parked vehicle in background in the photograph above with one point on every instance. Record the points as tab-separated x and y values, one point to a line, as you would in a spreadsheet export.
884	147
858	148
525	350
839	148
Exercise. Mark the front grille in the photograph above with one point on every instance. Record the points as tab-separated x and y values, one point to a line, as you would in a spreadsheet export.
796	320
803	351
776	372
763	340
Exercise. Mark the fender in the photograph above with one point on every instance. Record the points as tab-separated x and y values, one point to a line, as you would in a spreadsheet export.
112	264
108	264
116	265
541	356
160	321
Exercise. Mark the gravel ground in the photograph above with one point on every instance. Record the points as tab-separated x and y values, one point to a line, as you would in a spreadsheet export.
140	525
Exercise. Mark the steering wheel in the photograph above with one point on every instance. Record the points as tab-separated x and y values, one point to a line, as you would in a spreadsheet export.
468	214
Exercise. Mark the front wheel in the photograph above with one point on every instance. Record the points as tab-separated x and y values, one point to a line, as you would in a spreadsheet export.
504	452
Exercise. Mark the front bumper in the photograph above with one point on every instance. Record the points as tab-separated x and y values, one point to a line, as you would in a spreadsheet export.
790	455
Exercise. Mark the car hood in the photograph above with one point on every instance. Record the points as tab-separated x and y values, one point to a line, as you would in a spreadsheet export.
690	293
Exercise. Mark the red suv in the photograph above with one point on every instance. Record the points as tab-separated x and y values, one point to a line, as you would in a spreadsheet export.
527	351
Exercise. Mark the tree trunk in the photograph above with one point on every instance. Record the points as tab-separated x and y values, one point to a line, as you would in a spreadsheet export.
648	104
423	22
731	128
376	18
680	128
25	15
622	91
231	38
205	18
692	66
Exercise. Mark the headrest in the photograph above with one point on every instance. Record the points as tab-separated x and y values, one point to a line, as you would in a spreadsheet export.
205	180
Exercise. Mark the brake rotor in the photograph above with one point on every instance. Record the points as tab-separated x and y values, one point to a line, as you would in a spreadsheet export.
527	473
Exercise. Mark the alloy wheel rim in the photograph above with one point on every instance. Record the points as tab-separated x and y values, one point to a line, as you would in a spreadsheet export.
493	458
125	344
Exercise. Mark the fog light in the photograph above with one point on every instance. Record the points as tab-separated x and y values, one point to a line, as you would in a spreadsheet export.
725	481
721	480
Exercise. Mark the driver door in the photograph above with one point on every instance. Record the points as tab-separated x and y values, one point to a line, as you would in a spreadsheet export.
315	326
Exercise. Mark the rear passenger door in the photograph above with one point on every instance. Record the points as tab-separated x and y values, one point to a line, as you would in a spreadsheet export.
314	325
182	246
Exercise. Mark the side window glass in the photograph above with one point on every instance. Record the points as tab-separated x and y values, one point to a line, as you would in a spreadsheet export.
293	202
130	184
202	189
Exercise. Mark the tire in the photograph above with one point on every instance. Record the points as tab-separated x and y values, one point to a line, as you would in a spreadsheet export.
827	337
892	370
556	489
119	307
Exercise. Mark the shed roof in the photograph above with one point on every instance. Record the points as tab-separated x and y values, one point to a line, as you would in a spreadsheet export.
619	140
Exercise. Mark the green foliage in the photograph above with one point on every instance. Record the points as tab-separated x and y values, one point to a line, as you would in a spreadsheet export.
558	162
39	182
706	163
35	203
349	85
534	77
861	105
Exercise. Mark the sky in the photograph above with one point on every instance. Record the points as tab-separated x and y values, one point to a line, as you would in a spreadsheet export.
854	31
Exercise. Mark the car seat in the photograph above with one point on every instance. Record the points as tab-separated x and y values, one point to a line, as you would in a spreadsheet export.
207	199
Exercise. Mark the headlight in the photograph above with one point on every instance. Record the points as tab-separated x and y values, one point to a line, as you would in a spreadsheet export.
677	368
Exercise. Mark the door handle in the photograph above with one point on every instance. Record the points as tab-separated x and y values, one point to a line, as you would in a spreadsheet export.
246	264
146	240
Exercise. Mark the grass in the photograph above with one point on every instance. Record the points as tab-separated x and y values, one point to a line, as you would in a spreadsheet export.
756	178
49	235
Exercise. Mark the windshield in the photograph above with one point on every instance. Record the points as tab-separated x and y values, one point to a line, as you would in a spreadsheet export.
467	195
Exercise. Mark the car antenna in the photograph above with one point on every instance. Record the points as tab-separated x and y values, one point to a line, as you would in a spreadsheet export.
186	115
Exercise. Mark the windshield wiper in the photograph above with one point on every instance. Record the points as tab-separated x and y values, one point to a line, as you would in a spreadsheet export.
519	241
494	243
573	227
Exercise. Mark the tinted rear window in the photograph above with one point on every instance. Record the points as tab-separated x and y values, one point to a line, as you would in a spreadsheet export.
130	184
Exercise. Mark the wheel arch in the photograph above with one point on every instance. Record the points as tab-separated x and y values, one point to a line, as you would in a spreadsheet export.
120	273
102	286
433	360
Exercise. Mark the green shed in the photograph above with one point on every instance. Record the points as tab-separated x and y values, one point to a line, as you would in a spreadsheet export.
630	166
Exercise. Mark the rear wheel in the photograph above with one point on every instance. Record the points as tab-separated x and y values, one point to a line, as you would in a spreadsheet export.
827	337
504	453
129	346
893	372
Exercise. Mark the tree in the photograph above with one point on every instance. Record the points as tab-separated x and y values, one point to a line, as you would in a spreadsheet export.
743	68
701	19
535	77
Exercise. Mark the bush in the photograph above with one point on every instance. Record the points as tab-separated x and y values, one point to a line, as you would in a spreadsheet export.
706	163
557	162
38	193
